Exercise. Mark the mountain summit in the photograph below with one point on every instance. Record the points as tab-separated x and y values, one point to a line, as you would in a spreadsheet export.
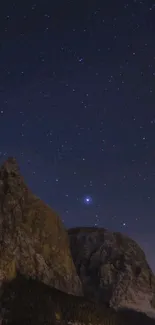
33	240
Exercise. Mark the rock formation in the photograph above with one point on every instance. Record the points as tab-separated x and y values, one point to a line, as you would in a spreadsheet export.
113	269
33	240
38	280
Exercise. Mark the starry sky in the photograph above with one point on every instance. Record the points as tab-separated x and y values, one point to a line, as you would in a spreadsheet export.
77	109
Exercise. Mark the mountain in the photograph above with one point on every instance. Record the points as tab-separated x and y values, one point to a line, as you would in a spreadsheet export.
113	269
39	284
33	240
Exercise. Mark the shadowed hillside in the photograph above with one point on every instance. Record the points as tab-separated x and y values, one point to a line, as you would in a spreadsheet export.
113	269
26	301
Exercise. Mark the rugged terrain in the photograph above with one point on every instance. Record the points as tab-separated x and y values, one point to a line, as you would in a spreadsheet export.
113	269
39	283
33	240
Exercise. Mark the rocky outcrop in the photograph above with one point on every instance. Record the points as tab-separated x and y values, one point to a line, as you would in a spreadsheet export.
38	280
26	301
113	269
33	240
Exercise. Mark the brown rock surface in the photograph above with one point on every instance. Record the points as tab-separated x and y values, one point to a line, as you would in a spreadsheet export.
113	269
33	240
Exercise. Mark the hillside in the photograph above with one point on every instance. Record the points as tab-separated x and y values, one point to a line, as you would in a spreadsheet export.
39	284
113	269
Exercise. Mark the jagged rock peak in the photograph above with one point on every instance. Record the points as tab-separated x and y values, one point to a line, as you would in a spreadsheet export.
10	174
33	240
13	190
10	165
11	180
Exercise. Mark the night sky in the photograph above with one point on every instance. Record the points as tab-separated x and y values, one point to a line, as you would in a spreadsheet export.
77	109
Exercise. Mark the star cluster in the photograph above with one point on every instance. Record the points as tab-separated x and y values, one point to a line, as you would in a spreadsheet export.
77	94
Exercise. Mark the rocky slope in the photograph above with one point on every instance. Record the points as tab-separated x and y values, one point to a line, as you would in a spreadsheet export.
33	240
26	301
113	269
36	261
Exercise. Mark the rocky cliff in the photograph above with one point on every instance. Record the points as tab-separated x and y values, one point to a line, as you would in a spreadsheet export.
113	269
33	240
38	280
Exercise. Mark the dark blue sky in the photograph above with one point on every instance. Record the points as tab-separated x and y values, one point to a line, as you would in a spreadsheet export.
77	108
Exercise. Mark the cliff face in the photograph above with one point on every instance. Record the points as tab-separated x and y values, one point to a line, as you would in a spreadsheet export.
35	261
33	240
113	269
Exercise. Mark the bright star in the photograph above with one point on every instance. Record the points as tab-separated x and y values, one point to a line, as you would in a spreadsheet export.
88	200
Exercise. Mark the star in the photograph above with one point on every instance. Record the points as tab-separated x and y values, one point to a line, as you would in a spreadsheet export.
88	200
77	110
